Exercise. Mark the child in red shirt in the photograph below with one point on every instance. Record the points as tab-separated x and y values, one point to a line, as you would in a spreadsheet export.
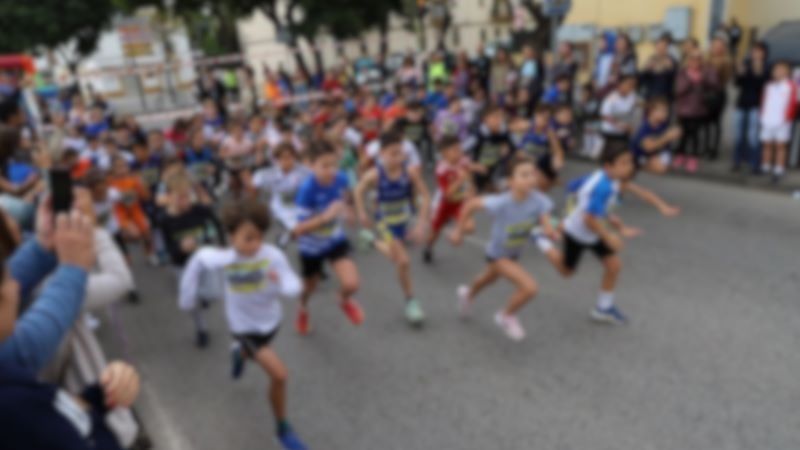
454	178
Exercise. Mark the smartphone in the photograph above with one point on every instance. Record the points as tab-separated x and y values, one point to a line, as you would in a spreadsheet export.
61	190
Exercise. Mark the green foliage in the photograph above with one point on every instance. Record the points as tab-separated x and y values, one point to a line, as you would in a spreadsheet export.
28	25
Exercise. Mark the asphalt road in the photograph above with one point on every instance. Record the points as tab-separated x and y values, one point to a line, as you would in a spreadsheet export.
709	360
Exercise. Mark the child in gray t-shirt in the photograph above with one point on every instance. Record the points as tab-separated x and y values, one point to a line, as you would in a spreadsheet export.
515	212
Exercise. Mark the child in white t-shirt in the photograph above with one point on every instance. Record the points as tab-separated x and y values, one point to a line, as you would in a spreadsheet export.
777	112
257	275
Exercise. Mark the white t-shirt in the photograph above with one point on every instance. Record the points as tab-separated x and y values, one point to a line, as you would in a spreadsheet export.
779	97
281	185
595	194
412	155
252	286
620	108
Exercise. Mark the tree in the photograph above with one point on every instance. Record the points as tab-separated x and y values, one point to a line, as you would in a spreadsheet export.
51	24
541	35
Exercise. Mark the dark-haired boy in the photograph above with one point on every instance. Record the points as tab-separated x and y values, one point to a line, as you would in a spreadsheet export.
256	276
590	225
321	203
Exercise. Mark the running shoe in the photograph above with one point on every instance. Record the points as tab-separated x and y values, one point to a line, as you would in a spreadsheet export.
611	315
414	313
464	302
303	322
133	297
353	311
510	325
201	339
427	256
289	440
366	239
237	361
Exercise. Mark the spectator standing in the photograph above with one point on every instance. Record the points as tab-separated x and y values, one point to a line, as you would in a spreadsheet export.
601	76
734	36
625	61
565	62
501	75
719	60
658	76
530	72
777	113
751	77
693	81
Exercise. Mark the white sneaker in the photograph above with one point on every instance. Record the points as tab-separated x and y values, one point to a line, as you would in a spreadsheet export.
510	325
464	302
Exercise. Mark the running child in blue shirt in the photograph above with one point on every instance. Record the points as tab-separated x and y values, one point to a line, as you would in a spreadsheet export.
399	192
590	225
515	214
321	204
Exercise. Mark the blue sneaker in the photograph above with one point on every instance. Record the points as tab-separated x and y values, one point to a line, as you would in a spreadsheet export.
612	315
289	440
237	361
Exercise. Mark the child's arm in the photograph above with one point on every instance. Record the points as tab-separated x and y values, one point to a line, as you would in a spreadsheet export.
652	198
655	143
467	211
595	224
281	272
623	229
364	185
207	258
141	191
423	200
556	150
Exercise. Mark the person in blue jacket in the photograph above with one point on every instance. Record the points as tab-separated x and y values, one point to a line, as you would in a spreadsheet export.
34	414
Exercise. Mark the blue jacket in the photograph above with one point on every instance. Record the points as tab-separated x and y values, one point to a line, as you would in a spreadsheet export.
41	328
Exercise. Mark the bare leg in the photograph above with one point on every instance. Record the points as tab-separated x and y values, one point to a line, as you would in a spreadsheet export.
556	258
526	285
402	264
780	155
278	376
612	266
487	277
309	286
347	273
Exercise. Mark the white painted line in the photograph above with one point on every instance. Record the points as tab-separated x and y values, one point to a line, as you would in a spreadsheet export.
158	422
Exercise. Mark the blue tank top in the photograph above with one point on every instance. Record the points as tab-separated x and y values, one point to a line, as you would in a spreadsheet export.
394	198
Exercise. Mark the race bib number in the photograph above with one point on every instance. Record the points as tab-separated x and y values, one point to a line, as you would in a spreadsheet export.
518	234
394	213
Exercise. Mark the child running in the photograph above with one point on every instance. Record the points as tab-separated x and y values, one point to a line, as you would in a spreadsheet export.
186	225
282	181
256	276
590	225
454	179
321	203
515	212
397	192
129	209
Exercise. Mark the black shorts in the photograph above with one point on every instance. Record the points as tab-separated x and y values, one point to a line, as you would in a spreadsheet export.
573	250
311	266
253	342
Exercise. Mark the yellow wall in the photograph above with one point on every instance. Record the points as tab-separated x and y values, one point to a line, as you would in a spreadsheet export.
615	13
626	13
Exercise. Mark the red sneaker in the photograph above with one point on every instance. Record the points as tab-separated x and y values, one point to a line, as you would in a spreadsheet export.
353	311
303	323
